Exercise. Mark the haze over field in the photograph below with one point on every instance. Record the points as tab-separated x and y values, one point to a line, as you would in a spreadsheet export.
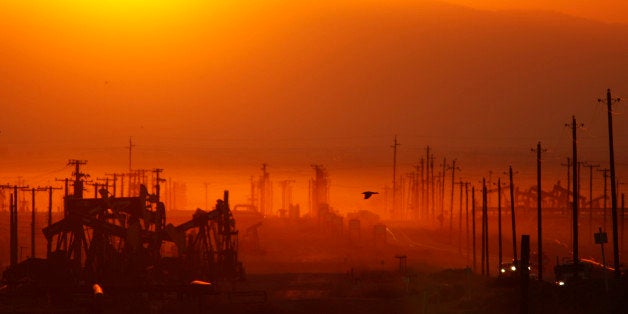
210	91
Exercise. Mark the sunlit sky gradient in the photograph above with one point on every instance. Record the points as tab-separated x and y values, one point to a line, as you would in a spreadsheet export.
210	90
610	11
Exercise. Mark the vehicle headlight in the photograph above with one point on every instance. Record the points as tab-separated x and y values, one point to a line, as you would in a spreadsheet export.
561	283
513	268
503	270
529	268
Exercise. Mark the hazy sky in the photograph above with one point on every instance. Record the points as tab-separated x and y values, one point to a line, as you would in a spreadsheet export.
211	90
610	11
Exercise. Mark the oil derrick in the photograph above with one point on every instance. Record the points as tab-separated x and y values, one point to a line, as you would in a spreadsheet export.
262	192
319	192
286	197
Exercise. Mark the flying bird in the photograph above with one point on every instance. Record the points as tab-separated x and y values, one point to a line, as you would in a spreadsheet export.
368	194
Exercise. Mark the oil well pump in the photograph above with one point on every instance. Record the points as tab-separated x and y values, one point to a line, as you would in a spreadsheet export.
117	242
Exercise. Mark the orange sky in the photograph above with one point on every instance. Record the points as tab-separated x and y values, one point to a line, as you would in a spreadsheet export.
611	11
210	90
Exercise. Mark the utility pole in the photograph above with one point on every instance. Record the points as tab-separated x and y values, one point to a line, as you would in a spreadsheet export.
466	192
512	216
442	195
49	189
451	203
605	175
590	166
394	182
158	181
568	165
130	147
461	184
427	181
78	176
14	227
433	197
422	211
574	126
115	182
623	216
263	190
539	214
13	221
33	190
473	226
104	185
483	248
499	222
485	262
416	192
609	104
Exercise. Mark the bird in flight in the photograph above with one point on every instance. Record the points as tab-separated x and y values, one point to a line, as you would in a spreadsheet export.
368	194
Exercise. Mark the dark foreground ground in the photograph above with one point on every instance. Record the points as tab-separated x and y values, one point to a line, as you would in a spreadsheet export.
307	267
448	291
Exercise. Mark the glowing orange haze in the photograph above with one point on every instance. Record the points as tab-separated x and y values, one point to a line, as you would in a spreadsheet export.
211	90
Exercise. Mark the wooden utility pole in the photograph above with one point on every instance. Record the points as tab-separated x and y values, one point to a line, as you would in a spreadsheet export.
609	104
605	175
159	179
483	234
451	203
33	190
485	250
512	216
590	166
48	242
115	183
623	216
568	165
539	214
499	222
422	210
427	181
461	184
14	228
13	223
130	147
394	181
473	227
525	273
433	197
263	191
442	194
466	191
574	126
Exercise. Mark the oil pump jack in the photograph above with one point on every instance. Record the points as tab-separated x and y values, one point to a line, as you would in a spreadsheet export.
117	242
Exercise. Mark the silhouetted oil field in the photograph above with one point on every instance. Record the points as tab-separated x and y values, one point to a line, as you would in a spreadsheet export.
329	156
111	254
